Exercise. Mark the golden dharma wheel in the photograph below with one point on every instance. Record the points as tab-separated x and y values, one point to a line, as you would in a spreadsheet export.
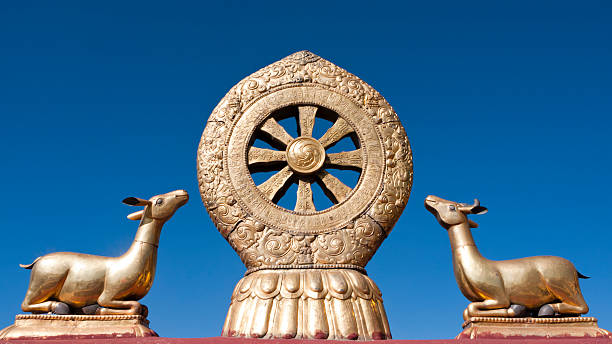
305	262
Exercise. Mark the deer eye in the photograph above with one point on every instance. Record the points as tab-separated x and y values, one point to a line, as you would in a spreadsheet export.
451	207
159	201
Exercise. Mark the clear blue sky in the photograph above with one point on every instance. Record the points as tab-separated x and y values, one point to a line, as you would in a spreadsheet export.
510	102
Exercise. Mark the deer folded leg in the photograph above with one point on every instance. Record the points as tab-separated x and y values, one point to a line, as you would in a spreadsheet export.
572	301
570	307
41	289
117	307
490	308
37	298
43	307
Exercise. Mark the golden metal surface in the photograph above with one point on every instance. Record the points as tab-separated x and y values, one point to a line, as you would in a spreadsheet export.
521	328
307	303
495	286
48	326
113	283
305	88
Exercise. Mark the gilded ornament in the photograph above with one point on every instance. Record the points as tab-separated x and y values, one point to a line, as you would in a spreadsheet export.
67	282
544	285
304	242
89	296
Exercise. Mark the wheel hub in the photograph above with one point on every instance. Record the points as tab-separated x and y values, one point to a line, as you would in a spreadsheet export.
305	155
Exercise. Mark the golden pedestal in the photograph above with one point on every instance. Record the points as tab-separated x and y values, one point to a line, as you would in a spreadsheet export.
525	328
48	326
307	303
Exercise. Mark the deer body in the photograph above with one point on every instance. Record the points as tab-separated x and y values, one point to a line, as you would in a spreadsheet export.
493	286
113	283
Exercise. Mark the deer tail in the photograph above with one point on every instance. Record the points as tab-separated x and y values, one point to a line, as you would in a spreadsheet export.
581	275
29	266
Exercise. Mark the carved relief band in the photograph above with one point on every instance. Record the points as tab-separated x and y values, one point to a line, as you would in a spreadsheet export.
305	262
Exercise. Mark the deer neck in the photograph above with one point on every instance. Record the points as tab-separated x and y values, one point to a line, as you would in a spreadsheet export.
140	261
146	240
149	231
462	244
467	261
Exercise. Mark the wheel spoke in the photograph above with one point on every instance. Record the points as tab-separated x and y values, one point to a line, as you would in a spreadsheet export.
307	119
263	155
304	200
339	130
338	189
351	159
276	131
274	184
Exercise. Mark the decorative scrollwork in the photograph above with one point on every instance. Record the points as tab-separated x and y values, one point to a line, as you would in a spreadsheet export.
248	216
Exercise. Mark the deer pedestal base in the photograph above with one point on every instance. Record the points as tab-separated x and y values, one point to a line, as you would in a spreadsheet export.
531	328
47	326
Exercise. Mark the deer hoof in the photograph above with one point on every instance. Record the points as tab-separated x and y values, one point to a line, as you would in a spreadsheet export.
90	310
519	311
61	308
546	311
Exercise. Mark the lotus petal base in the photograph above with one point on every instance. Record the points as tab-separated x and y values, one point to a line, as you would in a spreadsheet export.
307	304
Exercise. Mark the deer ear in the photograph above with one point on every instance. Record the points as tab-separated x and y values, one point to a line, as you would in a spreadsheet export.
478	210
472	224
136	215
135	201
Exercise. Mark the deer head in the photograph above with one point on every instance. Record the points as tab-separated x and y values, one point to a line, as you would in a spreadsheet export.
450	213
160	207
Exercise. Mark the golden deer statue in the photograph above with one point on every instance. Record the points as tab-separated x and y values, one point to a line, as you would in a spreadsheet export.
90	284
506	288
